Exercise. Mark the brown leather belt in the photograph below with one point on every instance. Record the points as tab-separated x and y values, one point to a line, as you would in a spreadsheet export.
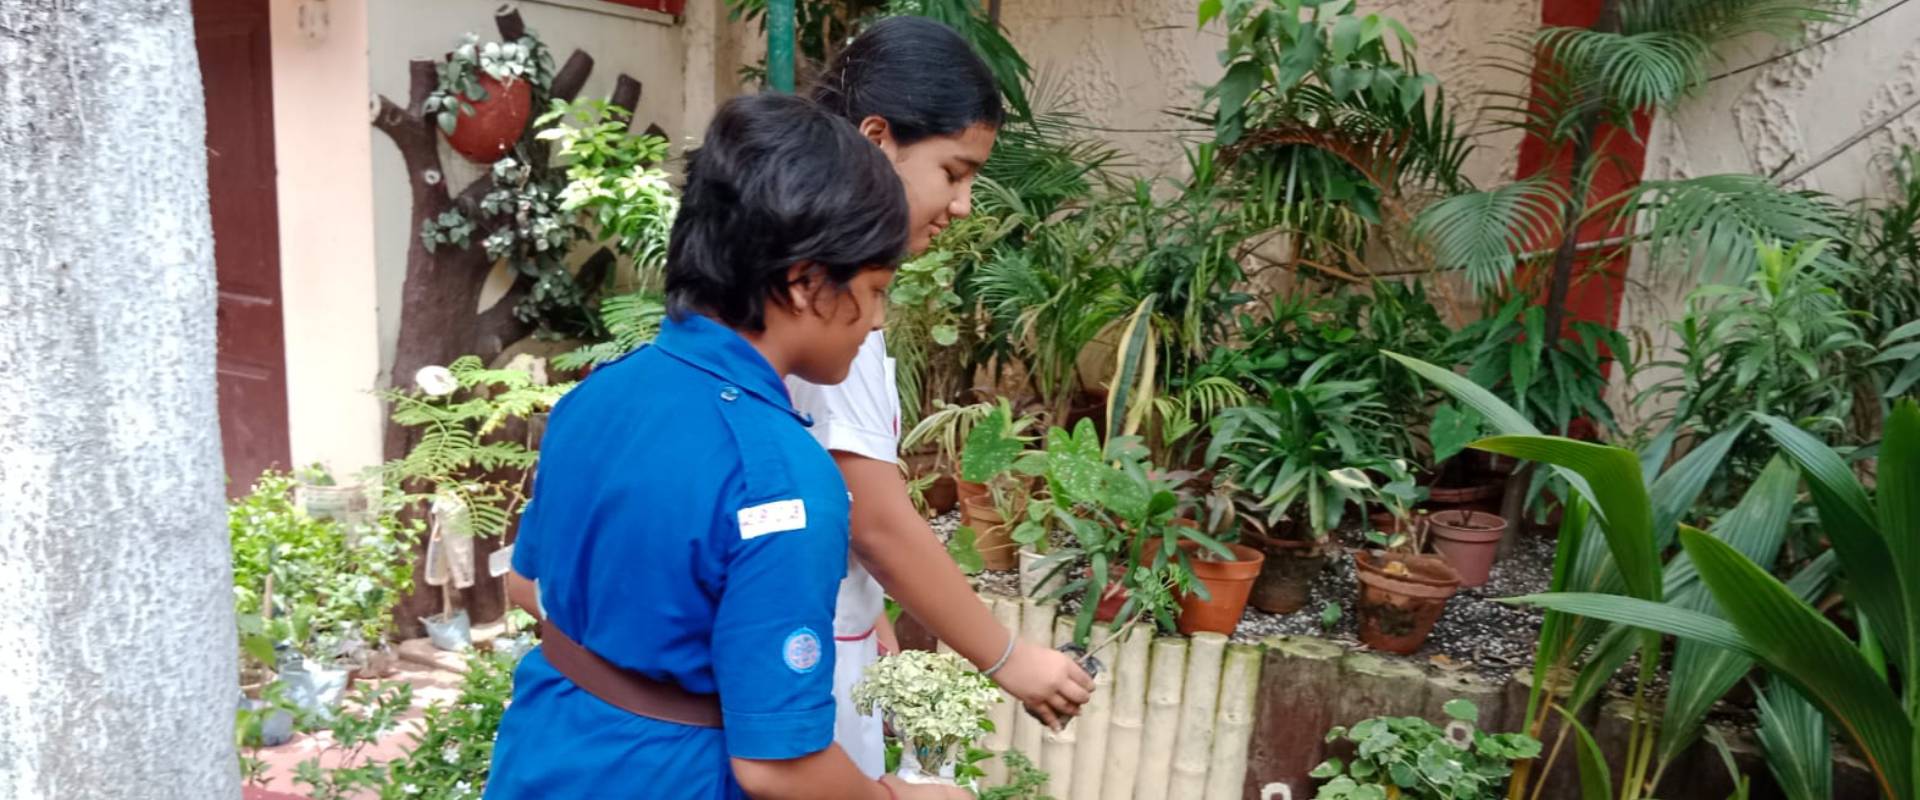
624	689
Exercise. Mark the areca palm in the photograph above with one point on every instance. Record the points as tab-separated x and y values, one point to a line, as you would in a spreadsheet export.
1640	55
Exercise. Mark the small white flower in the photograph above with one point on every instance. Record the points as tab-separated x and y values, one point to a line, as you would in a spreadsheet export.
411	788
436	381
451	755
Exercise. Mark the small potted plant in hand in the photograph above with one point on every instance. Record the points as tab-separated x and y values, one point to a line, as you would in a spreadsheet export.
936	705
1411	758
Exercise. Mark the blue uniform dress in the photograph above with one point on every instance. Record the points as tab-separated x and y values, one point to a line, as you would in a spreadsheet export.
686	526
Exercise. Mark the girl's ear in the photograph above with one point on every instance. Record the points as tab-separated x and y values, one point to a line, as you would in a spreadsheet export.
802	286
876	129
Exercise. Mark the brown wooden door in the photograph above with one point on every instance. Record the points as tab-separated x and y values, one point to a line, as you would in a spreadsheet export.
236	67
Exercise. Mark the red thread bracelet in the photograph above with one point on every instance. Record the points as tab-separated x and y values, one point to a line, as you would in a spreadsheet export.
890	794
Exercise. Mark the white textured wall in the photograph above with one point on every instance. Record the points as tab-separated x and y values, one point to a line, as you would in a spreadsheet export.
1121	63
117	657
1785	113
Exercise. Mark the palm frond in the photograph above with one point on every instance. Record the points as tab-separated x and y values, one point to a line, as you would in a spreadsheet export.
1631	71
1483	232
1707	225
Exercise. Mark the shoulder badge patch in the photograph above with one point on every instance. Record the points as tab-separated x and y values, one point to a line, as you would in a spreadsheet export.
802	650
775	517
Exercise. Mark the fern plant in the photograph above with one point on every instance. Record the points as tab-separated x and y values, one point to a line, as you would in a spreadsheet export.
457	456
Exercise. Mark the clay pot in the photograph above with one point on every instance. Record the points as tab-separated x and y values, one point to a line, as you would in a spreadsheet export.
1113	597
1286	574
1401	596
1228	584
992	536
942	495
1469	540
964	490
1472	495
489	133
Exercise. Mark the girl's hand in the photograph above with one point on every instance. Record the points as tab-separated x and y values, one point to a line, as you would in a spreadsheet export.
1046	681
916	791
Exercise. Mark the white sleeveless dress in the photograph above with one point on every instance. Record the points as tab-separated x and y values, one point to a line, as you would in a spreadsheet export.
860	416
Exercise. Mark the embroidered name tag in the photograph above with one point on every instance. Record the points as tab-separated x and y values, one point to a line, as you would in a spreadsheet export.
775	517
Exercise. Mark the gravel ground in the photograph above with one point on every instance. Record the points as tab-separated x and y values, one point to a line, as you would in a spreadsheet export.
1476	630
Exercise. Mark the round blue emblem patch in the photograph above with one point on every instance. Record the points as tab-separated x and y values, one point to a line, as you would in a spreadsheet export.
802	650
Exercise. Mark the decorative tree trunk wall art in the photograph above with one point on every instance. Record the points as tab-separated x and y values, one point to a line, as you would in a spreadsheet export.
440	318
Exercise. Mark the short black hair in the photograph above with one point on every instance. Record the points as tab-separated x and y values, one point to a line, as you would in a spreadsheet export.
779	181
915	73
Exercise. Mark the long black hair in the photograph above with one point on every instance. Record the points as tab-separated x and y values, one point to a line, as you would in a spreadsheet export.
916	74
779	181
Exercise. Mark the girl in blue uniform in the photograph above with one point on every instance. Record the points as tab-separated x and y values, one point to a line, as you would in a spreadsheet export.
687	534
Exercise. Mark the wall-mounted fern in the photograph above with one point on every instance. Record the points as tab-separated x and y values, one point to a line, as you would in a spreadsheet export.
456	456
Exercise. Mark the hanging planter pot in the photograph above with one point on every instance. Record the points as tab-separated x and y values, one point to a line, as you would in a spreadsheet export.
1469	540
1228	585
489	132
1401	597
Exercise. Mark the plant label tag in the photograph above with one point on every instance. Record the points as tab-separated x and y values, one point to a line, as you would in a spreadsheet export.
775	517
500	561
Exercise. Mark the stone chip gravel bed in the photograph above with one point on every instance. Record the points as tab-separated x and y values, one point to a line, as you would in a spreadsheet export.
1477	630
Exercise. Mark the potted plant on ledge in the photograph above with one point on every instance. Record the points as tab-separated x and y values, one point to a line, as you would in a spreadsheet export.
1295	464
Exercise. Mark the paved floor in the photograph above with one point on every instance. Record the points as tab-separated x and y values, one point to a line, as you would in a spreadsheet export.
430	685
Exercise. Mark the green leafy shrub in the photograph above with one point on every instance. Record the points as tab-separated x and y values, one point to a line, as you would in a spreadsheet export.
1409	757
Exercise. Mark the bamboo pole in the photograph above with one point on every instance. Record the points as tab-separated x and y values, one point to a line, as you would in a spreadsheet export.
1299	685
1166	677
1059	745
1129	715
1489	697
1089	758
1192	750
1036	626
1233	728
1006	611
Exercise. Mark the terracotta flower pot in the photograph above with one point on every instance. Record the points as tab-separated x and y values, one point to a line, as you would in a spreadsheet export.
1469	540
496	123
1228	584
992	536
1401	597
1112	598
1471	495
1286	574
964	490
942	495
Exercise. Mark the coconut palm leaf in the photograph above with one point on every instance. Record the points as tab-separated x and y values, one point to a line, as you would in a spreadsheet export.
1794	737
